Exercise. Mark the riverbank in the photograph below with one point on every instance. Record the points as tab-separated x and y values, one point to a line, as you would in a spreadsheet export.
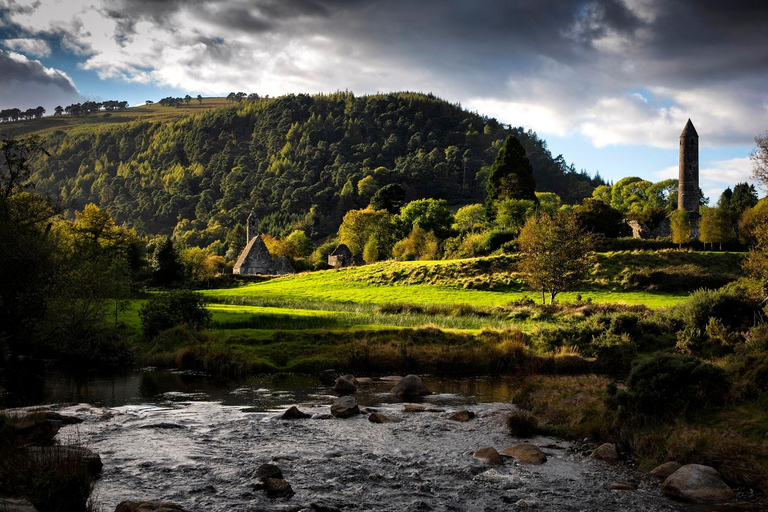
197	444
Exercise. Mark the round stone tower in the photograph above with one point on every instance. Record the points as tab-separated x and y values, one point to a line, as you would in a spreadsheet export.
688	186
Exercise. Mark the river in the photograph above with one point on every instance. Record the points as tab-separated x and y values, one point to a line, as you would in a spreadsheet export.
188	439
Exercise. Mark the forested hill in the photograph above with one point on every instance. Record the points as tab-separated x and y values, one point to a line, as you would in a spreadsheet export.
296	161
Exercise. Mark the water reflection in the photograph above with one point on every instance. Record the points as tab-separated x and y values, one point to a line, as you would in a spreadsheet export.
30	386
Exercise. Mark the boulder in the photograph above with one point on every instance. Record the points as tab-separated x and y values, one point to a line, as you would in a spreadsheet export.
378	417
363	381
410	386
16	505
525	453
294	414
328	377
463	415
265	471
666	469
344	407
414	408
277	488
391	378
621	486
695	482
65	420
148	506
65	455
345	385
488	455
606	452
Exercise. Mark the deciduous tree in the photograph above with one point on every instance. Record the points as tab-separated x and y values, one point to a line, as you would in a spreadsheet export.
681	228
556	253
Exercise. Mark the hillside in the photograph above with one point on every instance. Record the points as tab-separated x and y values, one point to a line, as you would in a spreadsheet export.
295	161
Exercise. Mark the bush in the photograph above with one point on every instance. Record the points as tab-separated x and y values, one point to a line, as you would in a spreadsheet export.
522	424
166	310
677	278
710	320
664	386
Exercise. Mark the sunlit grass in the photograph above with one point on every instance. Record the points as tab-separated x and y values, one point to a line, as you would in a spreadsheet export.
336	286
155	112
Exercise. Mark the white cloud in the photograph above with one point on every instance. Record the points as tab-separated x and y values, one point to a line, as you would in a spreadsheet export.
728	172
28	46
582	77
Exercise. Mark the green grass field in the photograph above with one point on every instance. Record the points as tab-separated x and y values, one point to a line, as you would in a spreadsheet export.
338	286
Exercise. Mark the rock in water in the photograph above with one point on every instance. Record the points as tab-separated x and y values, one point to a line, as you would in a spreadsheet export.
606	452
525	454
463	415
410	386
16	505
666	469
621	486
65	420
277	488
345	385
294	414
695	482
149	506
488	455
265	471
378	417
328	377
344	407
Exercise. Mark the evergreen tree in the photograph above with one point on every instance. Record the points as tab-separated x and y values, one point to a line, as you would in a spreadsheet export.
166	264
744	196
510	177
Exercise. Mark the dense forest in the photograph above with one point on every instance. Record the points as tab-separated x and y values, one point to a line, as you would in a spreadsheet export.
296	161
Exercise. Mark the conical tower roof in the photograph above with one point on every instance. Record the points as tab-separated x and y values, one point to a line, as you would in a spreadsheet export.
689	130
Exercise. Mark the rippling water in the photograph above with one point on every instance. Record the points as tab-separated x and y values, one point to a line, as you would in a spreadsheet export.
186	439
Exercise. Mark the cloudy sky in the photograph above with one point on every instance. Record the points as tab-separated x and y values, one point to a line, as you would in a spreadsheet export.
608	83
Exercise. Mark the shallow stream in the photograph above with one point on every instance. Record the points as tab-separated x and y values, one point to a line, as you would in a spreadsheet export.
186	439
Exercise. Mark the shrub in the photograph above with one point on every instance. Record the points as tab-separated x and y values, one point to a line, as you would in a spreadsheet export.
687	277
665	385
522	424
166	310
735	312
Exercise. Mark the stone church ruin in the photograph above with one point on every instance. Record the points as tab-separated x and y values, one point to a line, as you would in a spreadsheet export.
256	259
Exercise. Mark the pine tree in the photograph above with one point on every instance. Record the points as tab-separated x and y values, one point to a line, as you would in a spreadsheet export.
510	177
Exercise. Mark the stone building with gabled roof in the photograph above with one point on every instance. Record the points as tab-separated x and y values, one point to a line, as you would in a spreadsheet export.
341	257
256	259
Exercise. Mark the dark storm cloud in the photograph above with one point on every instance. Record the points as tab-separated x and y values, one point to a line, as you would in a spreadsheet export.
574	60
25	83
24	70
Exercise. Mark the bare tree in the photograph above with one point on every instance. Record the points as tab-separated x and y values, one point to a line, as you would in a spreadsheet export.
759	158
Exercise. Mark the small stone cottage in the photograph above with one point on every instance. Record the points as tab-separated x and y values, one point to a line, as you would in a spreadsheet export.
256	259
341	257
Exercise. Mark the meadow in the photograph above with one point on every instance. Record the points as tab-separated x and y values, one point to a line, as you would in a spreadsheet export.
155	112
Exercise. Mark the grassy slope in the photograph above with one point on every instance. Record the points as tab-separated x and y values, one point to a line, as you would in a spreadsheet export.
343	286
156	112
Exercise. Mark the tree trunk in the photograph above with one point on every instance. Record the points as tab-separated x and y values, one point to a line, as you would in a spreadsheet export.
552	297
543	298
